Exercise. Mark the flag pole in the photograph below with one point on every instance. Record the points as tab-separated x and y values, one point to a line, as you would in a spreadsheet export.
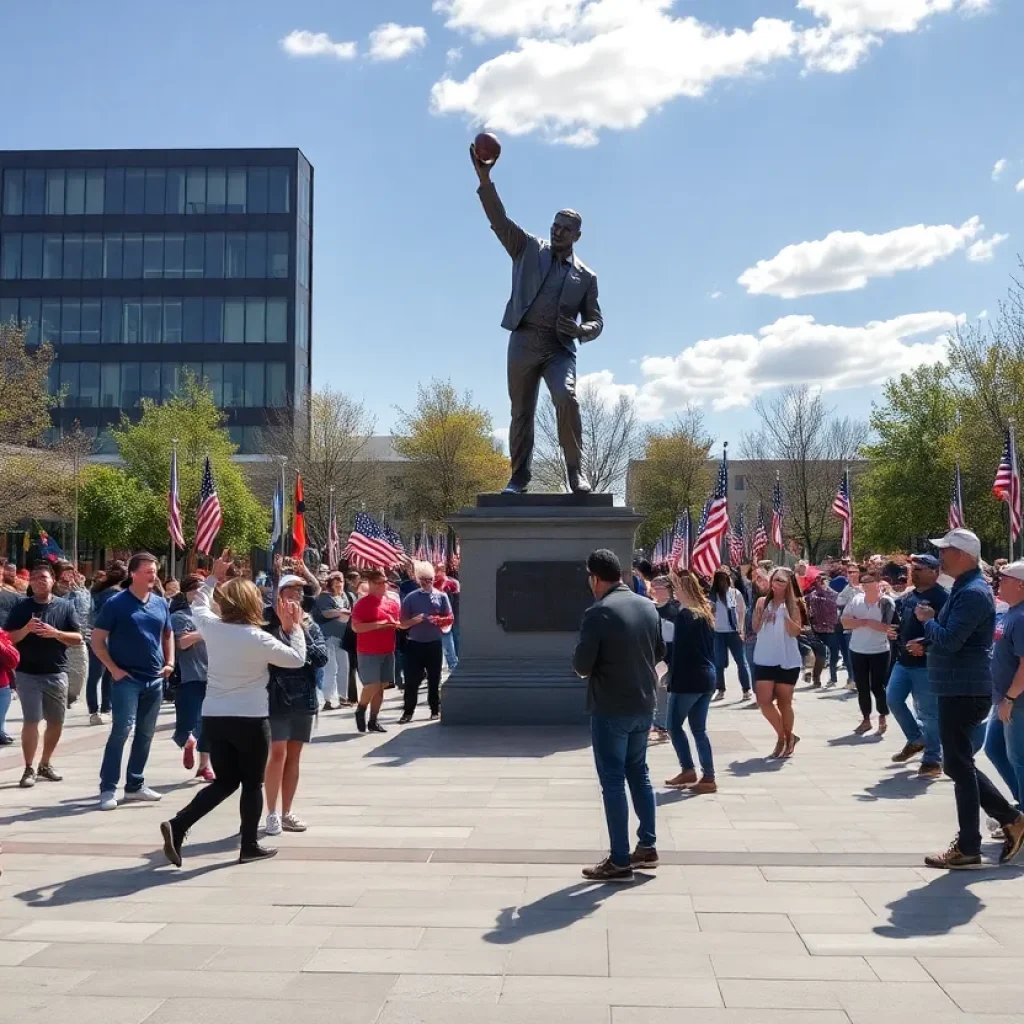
849	499
1013	476
174	458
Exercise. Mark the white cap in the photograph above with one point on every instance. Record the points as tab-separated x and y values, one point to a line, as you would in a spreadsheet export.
1014	569
962	540
291	580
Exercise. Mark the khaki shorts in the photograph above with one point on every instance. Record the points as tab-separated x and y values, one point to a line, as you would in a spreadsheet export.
42	697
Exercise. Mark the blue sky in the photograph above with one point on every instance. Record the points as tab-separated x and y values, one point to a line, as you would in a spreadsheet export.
697	149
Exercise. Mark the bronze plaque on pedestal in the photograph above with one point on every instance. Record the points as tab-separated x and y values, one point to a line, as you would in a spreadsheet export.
541	597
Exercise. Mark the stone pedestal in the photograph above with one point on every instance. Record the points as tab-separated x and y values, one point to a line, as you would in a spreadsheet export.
524	591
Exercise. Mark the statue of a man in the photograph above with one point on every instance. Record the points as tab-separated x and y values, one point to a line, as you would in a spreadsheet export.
553	305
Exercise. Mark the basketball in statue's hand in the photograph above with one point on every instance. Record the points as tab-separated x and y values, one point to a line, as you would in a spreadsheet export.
487	148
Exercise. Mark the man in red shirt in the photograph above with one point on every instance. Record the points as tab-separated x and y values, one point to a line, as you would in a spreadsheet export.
374	620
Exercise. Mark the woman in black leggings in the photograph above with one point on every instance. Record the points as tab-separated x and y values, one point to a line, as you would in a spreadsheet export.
235	709
868	616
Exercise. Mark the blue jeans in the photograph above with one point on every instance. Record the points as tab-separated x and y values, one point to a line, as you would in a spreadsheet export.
844	646
188	713
5	703
1004	747
97	686
130	701
620	754
451	659
831	644
924	728
691	707
726	644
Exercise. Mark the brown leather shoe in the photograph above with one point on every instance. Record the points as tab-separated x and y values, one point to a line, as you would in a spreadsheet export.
704	786
682	779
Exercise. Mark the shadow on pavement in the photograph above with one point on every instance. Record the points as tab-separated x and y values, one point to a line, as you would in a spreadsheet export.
902	785
853	740
755	766
941	905
119	882
431	740
555	911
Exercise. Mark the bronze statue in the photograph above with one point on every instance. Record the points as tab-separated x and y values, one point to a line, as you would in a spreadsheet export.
551	289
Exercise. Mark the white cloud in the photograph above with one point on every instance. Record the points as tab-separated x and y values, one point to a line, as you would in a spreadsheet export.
715	295
983	315
1020	185
453	56
500	434
998	168
580	66
300	43
844	261
392	42
984	250
731	371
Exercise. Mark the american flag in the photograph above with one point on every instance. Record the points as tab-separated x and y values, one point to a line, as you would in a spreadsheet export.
210	518
843	509
681	543
707	552
368	547
738	541
759	544
1007	483
333	542
393	537
956	502
174	506
778	513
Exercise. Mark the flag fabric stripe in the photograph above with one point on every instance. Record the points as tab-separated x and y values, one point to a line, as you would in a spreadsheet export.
738	541
843	509
174	505
956	502
680	557
299	526
1007	483
777	537
368	547
759	545
210	518
333	545
707	552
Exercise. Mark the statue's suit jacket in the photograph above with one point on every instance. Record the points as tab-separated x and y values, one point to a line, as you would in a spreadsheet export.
531	260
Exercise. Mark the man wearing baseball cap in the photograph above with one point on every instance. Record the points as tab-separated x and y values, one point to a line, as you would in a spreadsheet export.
909	674
1004	740
959	641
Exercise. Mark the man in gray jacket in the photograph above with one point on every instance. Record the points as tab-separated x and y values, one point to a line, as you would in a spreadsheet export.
551	288
619	645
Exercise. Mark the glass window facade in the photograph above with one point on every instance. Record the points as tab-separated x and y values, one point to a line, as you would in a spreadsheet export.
153	190
155	255
165	320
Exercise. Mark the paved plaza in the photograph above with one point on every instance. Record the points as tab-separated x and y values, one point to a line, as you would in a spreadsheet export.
439	882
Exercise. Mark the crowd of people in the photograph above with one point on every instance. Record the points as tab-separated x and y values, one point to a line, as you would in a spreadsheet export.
248	662
938	640
935	640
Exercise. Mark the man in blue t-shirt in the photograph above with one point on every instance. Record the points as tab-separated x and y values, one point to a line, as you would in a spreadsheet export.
132	637
909	674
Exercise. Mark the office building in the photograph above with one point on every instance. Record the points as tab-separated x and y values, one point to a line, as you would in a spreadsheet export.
140	265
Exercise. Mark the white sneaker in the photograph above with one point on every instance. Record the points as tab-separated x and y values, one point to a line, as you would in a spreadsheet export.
108	801
145	794
96	719
292	823
273	827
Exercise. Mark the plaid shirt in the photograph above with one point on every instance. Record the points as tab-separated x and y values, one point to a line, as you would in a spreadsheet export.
824	612
960	640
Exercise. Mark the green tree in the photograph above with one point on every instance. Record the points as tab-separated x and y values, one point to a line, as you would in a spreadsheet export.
116	510
191	418
673	476
903	494
451	446
25	399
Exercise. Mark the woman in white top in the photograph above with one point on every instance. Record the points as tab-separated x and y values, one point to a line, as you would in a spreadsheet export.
730	618
868	616
235	710
778	621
